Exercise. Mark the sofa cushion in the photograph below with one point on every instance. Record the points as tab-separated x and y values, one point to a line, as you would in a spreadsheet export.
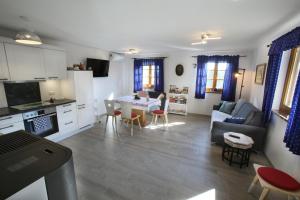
255	119
238	106
227	107
244	111
235	120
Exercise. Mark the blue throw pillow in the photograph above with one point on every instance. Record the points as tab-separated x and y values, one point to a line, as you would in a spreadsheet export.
227	107
235	120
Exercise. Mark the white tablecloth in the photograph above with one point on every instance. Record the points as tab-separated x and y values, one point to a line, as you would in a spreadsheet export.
141	103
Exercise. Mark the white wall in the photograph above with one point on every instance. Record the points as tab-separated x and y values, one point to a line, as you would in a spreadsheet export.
275	149
188	79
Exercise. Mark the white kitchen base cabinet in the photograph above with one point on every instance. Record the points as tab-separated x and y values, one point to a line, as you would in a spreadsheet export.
12	123
67	118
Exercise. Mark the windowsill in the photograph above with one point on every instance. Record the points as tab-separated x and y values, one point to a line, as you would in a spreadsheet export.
285	117
214	92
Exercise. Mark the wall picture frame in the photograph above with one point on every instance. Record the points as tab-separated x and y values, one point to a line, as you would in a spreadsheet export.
260	73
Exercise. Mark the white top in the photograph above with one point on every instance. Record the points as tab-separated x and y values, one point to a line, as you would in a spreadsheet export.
242	142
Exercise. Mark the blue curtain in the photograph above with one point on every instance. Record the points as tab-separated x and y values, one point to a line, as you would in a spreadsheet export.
158	74
229	86
138	75
286	42
201	77
292	133
270	85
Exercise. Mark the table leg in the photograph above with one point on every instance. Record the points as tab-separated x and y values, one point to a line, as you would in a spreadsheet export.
143	119
231	151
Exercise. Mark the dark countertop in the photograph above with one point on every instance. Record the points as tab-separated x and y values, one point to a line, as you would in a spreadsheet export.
12	111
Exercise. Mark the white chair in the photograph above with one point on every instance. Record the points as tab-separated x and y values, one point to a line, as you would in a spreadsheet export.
128	116
111	112
161	113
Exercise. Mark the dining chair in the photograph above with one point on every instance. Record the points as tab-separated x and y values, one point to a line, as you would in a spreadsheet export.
161	113
129	116
111	112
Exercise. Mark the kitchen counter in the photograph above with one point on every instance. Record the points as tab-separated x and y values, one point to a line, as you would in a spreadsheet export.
12	111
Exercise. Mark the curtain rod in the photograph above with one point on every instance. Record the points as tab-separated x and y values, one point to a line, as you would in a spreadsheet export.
150	58
240	56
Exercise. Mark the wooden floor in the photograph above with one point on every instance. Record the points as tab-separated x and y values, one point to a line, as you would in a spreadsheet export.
158	163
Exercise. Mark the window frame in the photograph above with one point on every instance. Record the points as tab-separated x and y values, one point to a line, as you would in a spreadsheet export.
151	68
215	80
283	109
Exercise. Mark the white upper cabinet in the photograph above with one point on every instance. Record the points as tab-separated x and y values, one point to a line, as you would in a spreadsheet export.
25	62
4	73
55	64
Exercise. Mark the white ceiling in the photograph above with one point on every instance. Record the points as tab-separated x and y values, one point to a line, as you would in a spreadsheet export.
149	25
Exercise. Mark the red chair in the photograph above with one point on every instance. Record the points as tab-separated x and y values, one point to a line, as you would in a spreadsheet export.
161	113
276	180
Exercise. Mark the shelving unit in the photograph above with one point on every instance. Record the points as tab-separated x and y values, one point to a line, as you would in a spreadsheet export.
178	101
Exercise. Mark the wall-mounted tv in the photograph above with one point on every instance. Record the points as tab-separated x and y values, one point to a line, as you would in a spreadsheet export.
100	67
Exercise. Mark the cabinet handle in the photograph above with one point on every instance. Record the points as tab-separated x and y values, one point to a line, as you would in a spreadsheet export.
81	105
68	123
85	126
66	105
3	79
5	118
7	127
39	78
81	108
67	111
53	77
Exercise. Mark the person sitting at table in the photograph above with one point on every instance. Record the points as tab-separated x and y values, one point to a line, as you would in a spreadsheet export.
162	97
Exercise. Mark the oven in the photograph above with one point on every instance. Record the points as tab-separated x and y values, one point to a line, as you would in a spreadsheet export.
42	122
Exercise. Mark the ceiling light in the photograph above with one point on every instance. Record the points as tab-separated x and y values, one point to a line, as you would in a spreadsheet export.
132	51
201	42
27	37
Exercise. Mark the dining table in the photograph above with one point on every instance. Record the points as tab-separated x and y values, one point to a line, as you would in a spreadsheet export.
140	106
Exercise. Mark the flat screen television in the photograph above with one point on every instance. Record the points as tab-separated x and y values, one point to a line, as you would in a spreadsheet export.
100	67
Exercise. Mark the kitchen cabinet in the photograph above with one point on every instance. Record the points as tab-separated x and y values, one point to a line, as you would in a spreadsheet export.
79	86
9	124
67	118
85	115
25	62
4	73
55	64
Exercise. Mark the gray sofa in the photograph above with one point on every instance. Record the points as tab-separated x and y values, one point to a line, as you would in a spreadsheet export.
252	126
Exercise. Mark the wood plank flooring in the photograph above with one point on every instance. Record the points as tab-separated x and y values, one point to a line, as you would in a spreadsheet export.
157	163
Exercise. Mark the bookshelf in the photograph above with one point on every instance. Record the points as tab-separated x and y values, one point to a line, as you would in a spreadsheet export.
178	99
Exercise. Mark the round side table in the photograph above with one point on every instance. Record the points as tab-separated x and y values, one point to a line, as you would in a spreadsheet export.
237	148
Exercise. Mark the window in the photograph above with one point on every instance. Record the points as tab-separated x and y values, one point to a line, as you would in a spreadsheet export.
215	76
148	77
290	82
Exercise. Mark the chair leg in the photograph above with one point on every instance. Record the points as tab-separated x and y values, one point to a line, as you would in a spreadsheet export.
106	122
116	125
166	118
156	119
152	120
112	122
131	127
255	179
264	194
139	123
